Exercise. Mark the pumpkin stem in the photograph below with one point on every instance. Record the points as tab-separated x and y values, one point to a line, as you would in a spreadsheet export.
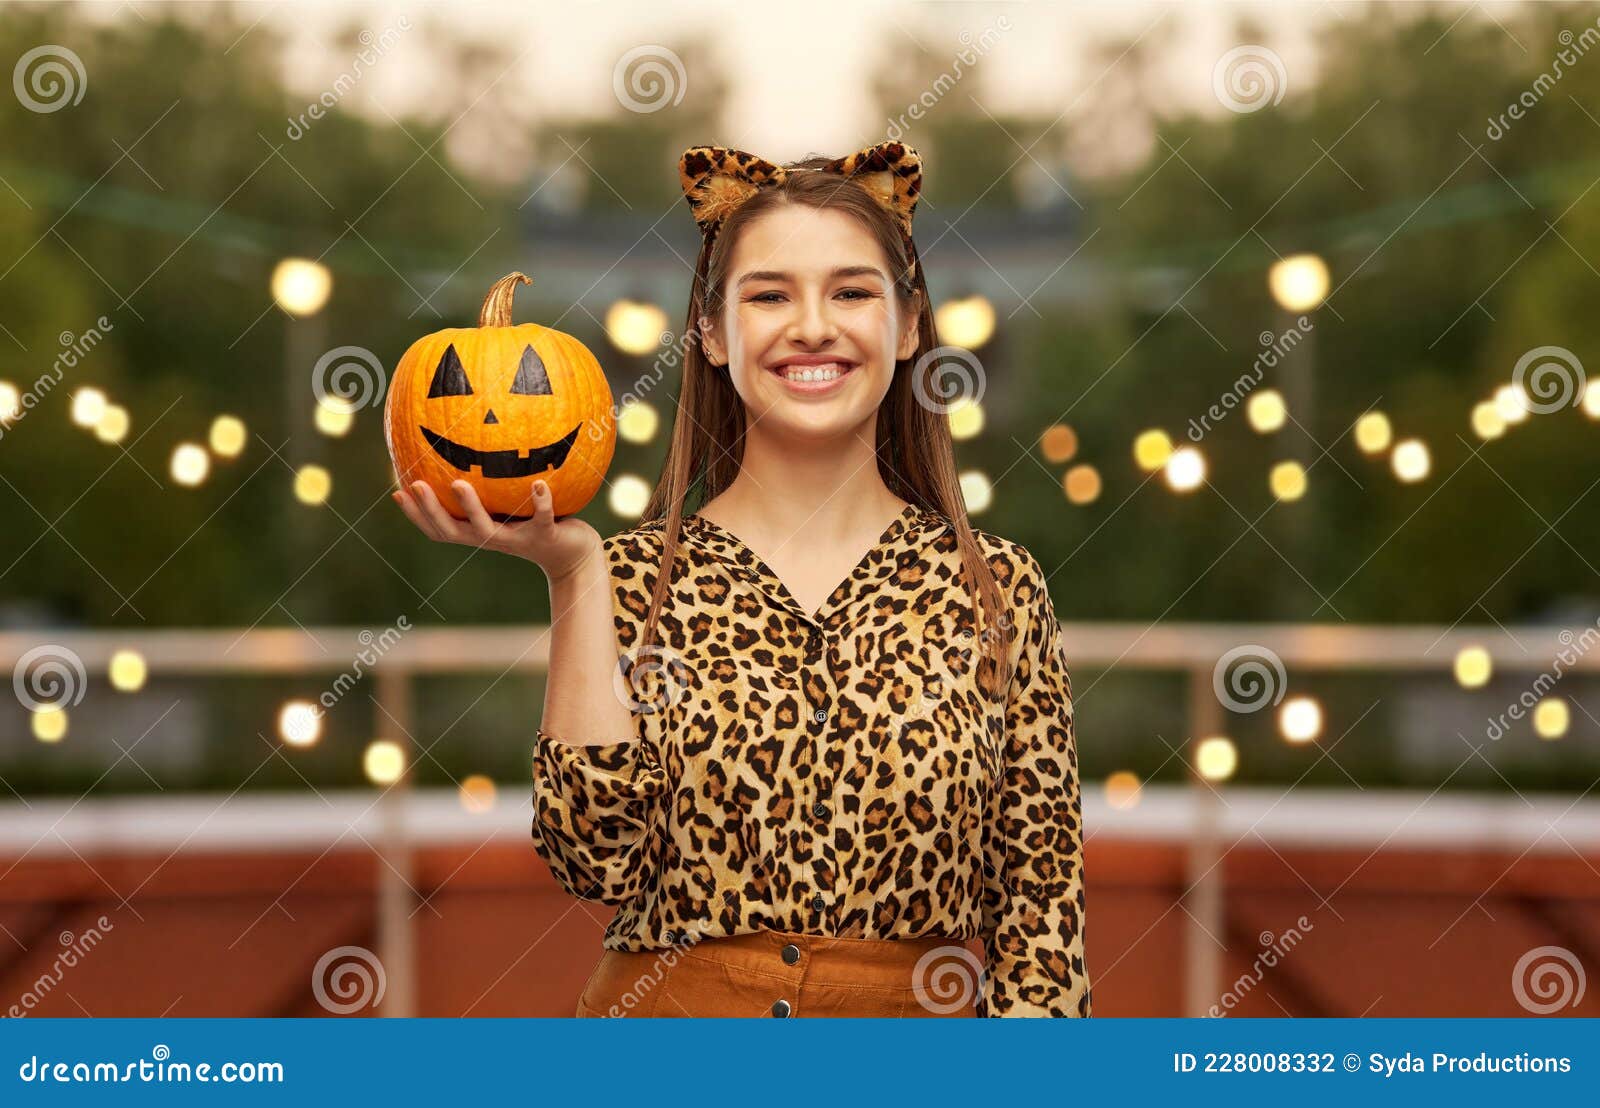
496	310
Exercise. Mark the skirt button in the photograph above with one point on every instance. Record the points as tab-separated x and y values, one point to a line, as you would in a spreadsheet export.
791	954
780	1008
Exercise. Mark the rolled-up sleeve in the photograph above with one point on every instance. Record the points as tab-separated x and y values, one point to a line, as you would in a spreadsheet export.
597	813
1033	903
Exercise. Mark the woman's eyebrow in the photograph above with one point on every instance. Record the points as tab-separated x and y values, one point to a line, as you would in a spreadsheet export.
778	275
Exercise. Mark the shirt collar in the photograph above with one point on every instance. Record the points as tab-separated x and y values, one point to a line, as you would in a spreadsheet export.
908	533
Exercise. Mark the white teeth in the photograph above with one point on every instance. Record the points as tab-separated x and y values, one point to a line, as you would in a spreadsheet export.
814	373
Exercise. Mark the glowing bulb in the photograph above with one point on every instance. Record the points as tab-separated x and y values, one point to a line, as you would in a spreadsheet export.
1122	789
312	484
1299	282
1473	667
1287	480
1511	401
10	401
1059	443
629	496
966	418
1551	718
1151	450
88	405
1267	411
1082	484
476	793
1487	422
333	416
190	464
383	762
113	424
1410	460
299	723
1216	758
1373	433
128	671
1300	719
637	422
976	491
50	724
967	322
1186	469
635	327
227	436
301	286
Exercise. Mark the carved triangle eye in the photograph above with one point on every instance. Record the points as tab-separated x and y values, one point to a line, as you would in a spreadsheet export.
531	379
450	379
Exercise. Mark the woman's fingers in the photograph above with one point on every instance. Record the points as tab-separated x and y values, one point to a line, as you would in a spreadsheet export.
413	510
446	528
477	517
543	505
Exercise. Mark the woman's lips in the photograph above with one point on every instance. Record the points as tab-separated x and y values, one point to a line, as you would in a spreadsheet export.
815	384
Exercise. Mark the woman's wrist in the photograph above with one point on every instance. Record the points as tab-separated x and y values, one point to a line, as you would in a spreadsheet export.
589	570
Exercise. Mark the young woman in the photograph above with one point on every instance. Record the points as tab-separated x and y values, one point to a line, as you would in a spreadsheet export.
832	750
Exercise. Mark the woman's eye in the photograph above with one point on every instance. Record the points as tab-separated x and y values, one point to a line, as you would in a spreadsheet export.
761	298
860	294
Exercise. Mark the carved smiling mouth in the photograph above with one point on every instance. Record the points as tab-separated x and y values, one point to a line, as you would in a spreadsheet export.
503	463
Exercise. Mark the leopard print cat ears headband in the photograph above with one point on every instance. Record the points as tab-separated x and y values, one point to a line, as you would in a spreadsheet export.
716	180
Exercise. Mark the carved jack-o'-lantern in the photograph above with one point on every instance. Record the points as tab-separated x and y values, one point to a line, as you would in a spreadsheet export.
500	406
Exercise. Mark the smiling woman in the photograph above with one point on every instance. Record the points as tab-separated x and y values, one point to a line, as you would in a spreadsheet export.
497	406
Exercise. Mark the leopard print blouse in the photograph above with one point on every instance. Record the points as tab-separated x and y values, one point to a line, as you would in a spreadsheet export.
834	773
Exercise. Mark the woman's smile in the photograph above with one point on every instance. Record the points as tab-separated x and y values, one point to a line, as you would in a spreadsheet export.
813	374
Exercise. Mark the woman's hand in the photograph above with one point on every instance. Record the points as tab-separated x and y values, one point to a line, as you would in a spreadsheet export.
559	547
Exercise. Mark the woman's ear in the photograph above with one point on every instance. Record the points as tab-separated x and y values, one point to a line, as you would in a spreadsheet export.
910	328
712	346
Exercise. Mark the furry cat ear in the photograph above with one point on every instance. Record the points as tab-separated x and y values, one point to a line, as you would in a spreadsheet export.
716	180
892	172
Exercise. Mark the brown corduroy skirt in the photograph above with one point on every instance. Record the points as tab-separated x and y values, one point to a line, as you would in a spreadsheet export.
779	973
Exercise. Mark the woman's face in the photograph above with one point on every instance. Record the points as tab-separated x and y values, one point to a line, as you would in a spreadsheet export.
812	326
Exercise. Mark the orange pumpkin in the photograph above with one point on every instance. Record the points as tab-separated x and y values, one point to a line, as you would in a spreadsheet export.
499	406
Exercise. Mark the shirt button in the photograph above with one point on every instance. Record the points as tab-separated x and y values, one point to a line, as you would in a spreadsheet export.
791	954
820	714
780	1008
819	902
819	809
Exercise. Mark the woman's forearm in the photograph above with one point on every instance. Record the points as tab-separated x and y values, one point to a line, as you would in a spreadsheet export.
581	701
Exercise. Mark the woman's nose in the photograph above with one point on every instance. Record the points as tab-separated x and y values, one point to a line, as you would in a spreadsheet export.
813	323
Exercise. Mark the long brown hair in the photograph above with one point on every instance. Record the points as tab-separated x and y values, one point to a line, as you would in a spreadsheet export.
915	455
